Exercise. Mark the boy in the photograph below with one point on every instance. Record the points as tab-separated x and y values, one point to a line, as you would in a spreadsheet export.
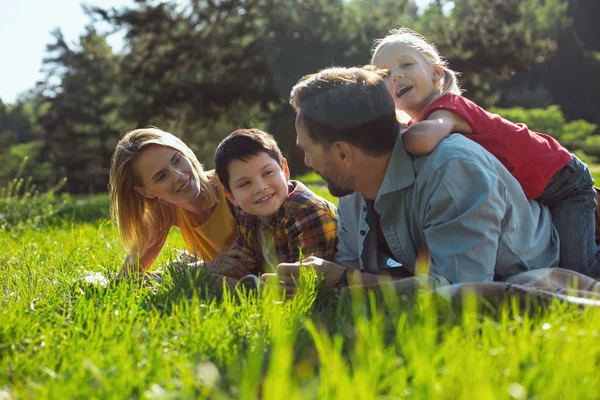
279	218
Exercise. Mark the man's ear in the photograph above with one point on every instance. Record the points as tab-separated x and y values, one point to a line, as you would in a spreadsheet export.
230	197
286	169
344	152
143	192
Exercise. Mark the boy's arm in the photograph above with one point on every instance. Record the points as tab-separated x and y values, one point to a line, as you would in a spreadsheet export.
422	137
314	233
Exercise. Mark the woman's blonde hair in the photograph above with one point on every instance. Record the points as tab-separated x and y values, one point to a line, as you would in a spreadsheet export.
430	53
141	220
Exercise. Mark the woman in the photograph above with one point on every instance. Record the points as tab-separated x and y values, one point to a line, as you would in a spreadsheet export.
156	182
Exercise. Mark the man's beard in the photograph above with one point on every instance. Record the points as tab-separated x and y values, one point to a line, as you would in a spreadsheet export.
342	186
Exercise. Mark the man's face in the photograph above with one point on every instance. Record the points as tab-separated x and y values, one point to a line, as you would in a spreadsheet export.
339	181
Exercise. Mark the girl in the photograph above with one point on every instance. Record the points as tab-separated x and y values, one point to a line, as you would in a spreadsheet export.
156	182
425	88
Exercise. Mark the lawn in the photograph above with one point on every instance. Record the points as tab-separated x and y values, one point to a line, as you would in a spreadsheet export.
61	337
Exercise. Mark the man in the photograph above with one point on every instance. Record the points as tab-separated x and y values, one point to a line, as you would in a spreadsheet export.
458	205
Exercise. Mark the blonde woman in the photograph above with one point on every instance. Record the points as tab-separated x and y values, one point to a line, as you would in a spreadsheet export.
156	182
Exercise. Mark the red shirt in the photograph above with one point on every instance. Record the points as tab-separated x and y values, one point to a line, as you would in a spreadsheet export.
533	158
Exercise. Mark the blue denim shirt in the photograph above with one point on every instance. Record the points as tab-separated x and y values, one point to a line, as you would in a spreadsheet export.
460	206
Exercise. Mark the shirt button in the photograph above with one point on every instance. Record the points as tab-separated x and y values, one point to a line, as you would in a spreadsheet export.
362	232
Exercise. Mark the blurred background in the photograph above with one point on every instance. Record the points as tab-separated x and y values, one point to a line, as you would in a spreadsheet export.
202	68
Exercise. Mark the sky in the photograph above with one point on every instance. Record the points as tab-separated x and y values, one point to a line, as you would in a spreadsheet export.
25	30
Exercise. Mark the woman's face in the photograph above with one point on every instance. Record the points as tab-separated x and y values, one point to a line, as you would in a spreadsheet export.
166	174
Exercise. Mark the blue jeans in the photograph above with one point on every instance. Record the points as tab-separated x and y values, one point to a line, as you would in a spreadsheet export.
570	198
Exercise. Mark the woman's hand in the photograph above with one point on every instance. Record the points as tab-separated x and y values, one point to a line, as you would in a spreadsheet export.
287	275
231	263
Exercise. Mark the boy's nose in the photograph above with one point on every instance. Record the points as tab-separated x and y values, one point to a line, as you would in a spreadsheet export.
260	186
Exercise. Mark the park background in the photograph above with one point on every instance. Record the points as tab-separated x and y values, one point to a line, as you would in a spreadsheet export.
201	69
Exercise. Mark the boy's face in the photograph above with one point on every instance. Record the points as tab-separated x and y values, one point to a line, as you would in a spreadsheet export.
259	185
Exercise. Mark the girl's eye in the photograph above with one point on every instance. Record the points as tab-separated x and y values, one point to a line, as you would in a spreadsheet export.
177	160
268	173
243	184
160	177
407	64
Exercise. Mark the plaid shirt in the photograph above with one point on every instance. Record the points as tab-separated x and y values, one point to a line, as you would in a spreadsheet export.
305	223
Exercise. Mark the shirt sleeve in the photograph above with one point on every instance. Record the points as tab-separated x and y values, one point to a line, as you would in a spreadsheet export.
347	248
462	222
246	242
314	233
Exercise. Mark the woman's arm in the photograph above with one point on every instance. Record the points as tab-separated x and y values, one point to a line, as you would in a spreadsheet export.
422	137
149	254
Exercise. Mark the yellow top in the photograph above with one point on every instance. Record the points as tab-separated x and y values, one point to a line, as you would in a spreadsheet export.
216	235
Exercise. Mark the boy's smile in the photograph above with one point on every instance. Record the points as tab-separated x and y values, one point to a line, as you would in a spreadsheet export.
258	185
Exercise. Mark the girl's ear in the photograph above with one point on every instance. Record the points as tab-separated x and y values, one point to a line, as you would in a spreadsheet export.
230	197
286	169
145	193
438	73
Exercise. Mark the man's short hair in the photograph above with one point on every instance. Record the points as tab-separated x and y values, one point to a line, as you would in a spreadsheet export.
243	144
347	104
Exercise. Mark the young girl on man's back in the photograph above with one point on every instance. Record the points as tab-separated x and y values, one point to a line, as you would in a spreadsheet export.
425	88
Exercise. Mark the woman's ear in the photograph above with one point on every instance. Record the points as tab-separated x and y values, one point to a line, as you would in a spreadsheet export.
230	197
143	192
286	169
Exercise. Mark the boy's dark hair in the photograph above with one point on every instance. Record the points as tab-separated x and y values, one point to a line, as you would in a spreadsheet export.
242	145
347	104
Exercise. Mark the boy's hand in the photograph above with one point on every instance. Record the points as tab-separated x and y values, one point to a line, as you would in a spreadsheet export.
287	275
231	263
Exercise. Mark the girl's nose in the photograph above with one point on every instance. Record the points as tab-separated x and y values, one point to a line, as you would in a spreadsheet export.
396	75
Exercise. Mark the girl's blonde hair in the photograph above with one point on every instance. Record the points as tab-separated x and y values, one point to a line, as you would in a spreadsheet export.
428	50
141	220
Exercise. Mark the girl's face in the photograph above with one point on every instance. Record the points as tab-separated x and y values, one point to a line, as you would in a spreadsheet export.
166	174
412	80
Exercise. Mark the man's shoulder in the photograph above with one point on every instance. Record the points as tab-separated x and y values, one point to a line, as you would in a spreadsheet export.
456	147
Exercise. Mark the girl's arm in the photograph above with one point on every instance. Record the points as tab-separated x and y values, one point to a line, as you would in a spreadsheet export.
422	137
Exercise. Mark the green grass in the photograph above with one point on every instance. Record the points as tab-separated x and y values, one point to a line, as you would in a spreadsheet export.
63	338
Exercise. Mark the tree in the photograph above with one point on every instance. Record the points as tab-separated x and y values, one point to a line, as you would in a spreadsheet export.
571	78
80	122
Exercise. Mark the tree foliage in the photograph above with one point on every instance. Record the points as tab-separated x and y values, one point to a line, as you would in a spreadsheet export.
202	68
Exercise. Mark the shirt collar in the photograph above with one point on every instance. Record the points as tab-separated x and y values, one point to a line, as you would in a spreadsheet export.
400	172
